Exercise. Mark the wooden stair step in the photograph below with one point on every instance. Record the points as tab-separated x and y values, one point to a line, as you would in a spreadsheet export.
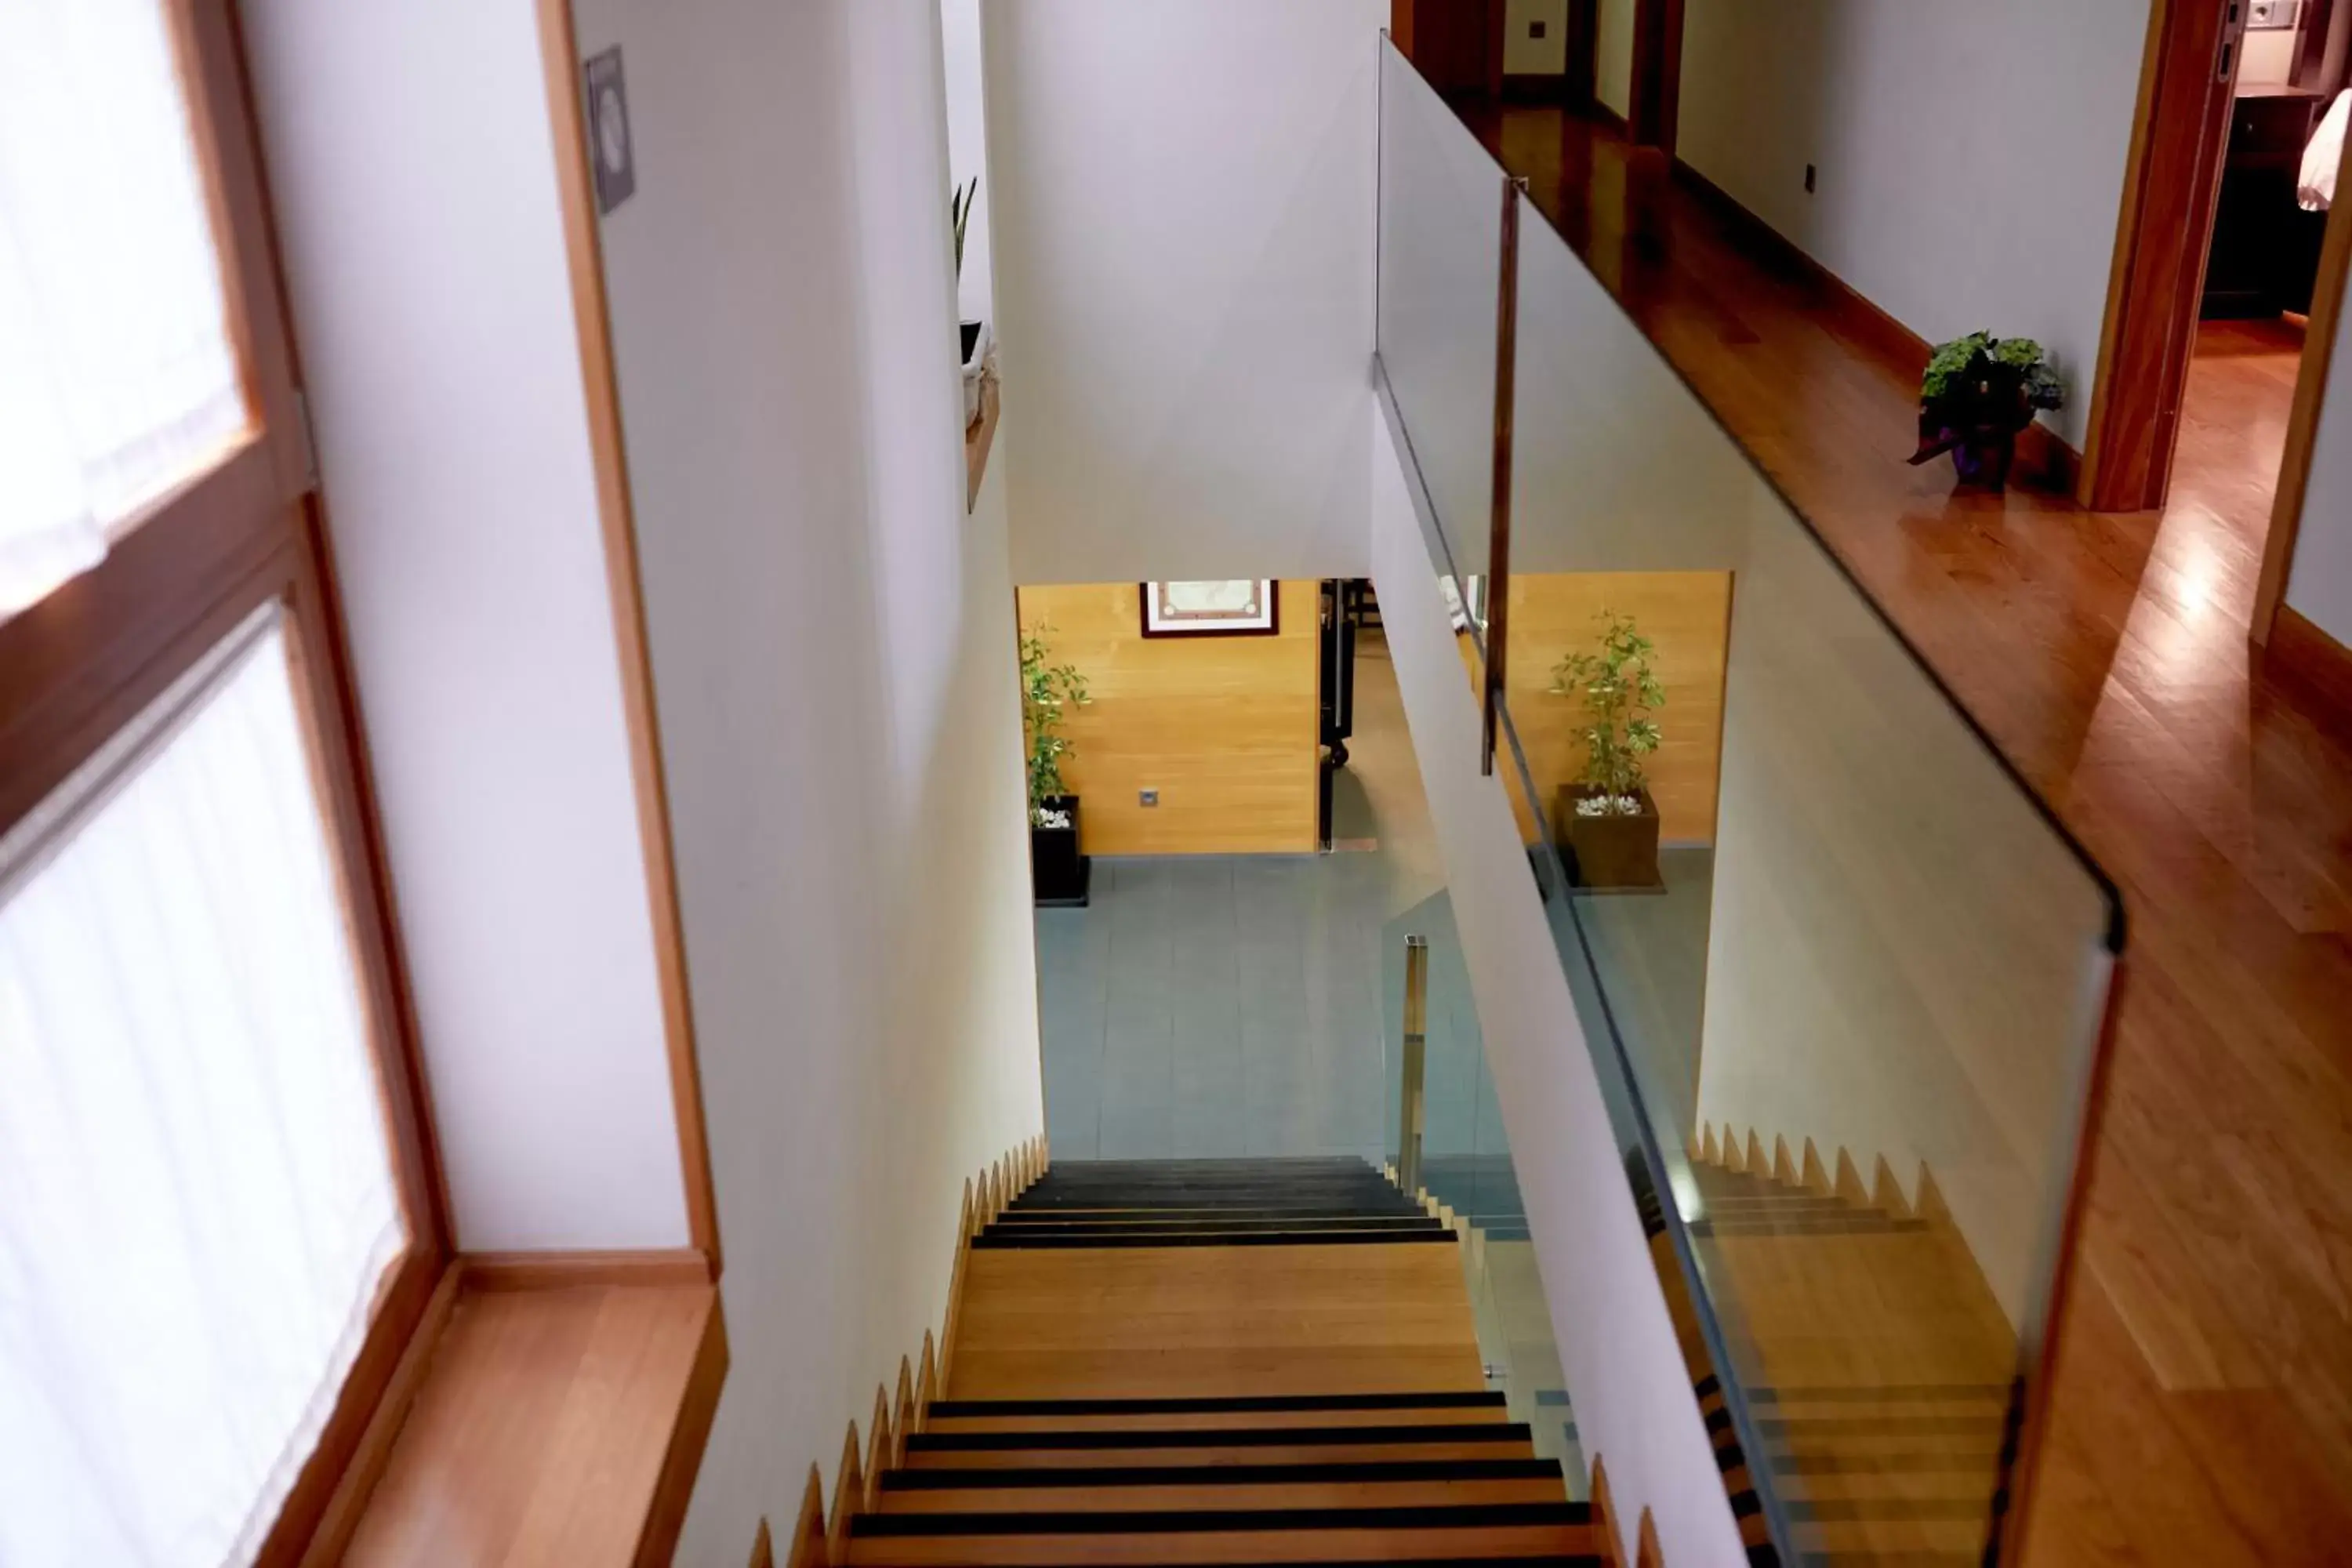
1223	1491
1435	1446
1217	1420
1231	1404
1161	1435
1385	1534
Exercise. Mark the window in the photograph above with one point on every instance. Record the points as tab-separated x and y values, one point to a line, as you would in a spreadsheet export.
118	377
199	1205
219	1222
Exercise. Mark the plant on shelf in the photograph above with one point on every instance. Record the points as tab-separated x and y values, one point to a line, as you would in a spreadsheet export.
960	201
1608	822
1978	394
970	330
1620	691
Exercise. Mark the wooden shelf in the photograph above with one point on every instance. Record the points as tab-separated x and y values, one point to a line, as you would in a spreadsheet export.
558	1423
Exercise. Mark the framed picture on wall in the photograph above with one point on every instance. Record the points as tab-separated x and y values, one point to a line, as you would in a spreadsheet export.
1243	608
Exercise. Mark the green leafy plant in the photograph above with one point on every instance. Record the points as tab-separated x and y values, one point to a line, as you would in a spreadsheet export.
1048	691
1619	686
1984	380
960	202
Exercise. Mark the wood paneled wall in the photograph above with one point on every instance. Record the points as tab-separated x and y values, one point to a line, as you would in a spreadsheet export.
1688	616
1223	727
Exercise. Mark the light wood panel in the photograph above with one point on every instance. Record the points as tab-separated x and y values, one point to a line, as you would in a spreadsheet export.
1226	729
1207	1321
560	1426
1688	616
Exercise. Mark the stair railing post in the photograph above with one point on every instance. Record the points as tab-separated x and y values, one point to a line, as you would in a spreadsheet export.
1411	1105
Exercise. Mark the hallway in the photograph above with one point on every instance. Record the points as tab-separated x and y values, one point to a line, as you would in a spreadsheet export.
2204	1389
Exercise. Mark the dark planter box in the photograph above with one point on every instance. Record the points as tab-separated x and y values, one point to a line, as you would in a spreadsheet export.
1057	872
1609	852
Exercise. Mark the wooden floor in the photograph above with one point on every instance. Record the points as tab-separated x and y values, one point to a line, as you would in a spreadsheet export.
553	1425
2204	1398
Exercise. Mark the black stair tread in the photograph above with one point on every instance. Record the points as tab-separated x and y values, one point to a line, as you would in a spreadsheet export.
1169	1214
1194	1405
1210	1221
1220	1437
1223	1520
993	1240
1483	1560
1325	1472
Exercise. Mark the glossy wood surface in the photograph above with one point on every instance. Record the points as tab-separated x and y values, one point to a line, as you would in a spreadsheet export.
560	1426
1226	728
1212	1322
2203	1400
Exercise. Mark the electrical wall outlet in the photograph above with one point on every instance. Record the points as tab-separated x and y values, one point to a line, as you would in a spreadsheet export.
1148	797
1808	179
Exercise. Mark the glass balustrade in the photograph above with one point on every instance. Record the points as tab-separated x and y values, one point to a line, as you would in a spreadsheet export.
1842	976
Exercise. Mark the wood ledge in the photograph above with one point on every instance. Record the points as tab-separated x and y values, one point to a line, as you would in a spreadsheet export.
553	1409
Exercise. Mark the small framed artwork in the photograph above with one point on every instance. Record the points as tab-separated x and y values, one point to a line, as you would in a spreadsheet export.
1244	608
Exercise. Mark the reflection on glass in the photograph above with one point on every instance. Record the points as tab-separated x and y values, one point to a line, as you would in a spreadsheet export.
1841	977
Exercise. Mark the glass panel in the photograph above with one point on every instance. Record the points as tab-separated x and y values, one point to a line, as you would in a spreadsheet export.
1843	977
1439	260
197	1204
118	378
1850	974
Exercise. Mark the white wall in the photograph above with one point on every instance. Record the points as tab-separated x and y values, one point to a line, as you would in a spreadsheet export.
1184	241
968	152
429	299
1970	157
1612	52
2320	584
1525	56
833	647
1624	1369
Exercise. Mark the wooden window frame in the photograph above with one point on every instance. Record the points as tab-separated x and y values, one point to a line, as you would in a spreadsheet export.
250	529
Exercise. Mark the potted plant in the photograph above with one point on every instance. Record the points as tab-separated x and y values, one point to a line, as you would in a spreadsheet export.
1978	393
972	332
1609	823
1048	691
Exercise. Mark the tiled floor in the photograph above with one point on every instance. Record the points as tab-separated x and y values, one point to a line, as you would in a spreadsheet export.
1252	1005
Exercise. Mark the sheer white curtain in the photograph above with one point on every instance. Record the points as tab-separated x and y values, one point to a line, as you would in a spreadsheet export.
197	1203
117	375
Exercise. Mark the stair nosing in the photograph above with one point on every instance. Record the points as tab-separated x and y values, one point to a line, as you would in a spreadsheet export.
1203	1405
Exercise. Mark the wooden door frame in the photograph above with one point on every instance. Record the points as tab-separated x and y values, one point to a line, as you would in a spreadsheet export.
2163	233
1654	105
2303	421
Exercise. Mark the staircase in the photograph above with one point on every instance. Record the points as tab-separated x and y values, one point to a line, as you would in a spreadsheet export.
1881	1366
1243	1361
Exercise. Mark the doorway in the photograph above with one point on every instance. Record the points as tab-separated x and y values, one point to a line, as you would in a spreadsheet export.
1654	100
2229	269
